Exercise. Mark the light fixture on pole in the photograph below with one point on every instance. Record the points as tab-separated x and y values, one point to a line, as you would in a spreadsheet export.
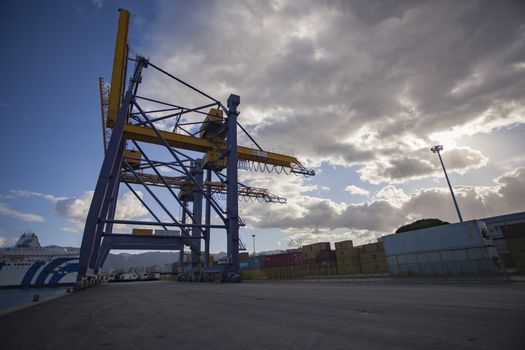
253	237
436	149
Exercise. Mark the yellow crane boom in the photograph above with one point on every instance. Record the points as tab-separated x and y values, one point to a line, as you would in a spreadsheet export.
141	133
119	67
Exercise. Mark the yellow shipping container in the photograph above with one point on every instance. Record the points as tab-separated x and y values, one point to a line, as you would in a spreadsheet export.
347	252
253	274
344	245
373	247
317	247
310	269
142	231
372	257
348	269
376	267
347	260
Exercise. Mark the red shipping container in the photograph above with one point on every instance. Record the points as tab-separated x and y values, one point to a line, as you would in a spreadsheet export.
281	260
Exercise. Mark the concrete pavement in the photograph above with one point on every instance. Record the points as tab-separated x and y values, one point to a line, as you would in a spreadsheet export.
171	315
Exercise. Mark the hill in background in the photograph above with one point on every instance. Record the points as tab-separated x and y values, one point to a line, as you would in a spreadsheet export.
419	224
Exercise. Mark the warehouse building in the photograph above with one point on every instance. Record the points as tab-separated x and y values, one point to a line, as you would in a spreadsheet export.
462	249
508	234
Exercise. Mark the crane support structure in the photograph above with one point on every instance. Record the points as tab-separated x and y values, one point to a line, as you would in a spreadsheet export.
204	154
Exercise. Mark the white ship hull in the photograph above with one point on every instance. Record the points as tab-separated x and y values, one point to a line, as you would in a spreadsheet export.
58	271
30	265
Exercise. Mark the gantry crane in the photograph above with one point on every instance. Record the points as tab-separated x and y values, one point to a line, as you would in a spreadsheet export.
134	121
180	183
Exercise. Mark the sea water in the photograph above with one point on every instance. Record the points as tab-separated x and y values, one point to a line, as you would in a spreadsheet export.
16	297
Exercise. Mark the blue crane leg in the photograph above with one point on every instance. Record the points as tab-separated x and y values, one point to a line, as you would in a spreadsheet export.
232	205
208	222
197	215
105	247
106	182
94	259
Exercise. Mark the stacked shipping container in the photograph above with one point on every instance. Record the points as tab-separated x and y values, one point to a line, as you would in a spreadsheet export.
251	268
368	258
253	262
276	266
319	259
347	258
311	251
283	259
456	249
372	258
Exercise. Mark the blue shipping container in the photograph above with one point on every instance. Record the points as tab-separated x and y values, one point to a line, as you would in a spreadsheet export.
253	262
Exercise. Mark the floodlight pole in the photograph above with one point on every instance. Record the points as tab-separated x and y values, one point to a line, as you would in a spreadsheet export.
253	237
436	149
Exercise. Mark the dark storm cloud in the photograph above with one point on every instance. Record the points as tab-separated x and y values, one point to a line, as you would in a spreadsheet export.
354	82
420	163
375	11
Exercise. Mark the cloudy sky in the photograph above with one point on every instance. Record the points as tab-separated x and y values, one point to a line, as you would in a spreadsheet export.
358	90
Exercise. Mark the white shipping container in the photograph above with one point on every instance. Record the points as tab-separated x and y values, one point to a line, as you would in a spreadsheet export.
169	233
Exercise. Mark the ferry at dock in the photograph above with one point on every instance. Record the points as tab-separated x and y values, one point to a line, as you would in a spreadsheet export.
28	264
